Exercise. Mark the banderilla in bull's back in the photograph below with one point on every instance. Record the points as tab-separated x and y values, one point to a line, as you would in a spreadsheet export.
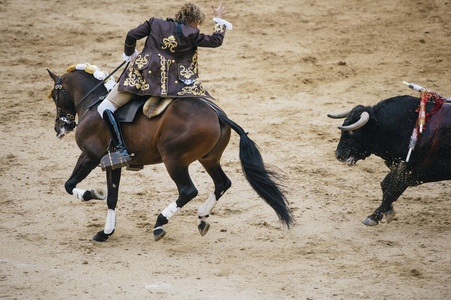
426	95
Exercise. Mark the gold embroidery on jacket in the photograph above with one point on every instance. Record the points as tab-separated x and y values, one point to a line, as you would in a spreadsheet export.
170	43
194	64
142	61
195	89
191	70
219	28
164	66
186	72
136	80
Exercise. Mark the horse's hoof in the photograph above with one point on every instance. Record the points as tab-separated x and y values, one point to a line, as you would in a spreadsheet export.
370	221
158	233
203	227
101	236
98	194
390	215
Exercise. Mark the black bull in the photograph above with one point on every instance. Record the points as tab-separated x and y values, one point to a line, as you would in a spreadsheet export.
385	130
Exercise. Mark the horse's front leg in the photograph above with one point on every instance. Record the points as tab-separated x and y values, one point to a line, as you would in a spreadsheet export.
113	179
187	191
84	166
393	185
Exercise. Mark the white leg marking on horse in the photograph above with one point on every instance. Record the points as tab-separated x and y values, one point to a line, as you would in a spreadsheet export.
169	211
110	221
79	193
208	205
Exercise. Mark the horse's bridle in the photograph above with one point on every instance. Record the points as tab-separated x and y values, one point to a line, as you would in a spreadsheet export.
68	119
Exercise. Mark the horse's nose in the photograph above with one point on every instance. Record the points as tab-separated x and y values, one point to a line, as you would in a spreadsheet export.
60	131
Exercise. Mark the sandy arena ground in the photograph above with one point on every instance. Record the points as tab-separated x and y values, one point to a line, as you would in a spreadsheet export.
285	65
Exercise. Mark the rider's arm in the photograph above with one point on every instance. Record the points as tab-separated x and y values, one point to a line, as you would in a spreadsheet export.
215	40
133	35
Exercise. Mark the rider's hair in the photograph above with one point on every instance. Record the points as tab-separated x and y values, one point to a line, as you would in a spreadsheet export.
190	13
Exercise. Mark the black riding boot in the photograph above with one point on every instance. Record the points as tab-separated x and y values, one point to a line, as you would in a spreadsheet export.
112	160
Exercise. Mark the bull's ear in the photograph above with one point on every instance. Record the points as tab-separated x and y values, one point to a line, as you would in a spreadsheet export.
54	77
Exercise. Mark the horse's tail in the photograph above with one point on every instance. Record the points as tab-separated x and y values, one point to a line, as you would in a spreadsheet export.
261	179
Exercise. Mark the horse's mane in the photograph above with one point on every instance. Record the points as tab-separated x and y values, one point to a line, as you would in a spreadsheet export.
96	72
93	70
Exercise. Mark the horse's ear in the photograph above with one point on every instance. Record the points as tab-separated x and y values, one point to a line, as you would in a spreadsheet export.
54	77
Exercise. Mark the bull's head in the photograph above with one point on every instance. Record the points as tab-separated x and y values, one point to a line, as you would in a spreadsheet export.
355	136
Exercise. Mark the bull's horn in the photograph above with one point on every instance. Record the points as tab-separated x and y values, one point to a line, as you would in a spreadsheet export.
364	118
339	115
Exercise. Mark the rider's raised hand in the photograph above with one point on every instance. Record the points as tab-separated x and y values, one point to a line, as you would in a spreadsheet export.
220	11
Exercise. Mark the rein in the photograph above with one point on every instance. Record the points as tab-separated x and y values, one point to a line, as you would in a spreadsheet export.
100	83
69	118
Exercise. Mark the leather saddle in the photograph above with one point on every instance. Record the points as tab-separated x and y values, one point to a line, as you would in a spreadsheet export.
151	107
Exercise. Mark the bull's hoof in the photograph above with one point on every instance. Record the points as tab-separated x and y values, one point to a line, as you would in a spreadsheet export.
203	227
370	221
158	233
390	215
101	236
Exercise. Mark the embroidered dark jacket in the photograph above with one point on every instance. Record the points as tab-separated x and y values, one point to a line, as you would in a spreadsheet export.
167	65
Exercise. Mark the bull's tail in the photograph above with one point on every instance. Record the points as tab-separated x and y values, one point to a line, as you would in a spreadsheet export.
261	179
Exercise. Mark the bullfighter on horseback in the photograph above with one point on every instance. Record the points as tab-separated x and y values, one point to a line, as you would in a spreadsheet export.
167	65
190	129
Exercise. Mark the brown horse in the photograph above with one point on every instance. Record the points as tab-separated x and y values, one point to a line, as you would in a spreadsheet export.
189	129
